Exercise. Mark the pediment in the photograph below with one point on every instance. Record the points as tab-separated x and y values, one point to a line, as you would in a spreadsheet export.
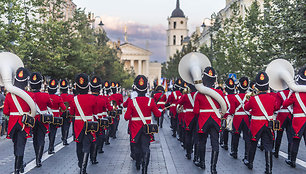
130	49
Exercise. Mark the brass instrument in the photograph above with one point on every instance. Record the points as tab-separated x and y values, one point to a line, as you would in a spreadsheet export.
252	93
191	68
186	90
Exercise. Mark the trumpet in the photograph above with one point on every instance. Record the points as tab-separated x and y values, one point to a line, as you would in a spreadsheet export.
186	90
252	93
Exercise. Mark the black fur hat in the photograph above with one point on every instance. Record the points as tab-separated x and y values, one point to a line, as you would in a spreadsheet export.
243	84
209	76
52	86
95	84
301	78
35	80
262	81
21	77
141	83
82	83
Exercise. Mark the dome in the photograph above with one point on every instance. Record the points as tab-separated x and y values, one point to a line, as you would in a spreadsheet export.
177	13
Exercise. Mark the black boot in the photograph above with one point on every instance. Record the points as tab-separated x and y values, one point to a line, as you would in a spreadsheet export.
252	151
51	145
101	147
93	154
138	160
268	157
277	144
289	151
22	164
293	159
145	163
201	154
84	163
107	140
39	155
65	143
195	155
214	160
246	152
234	145
17	164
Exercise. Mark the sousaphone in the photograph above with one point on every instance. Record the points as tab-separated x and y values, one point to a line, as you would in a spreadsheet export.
281	76
191	68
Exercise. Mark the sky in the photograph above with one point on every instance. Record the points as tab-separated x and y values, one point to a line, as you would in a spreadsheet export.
146	20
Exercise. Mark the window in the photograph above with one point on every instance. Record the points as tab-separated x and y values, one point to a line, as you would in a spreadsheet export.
174	40
174	25
182	38
182	22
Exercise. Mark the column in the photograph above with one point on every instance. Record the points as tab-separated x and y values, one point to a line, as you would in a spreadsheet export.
139	66
132	65
147	67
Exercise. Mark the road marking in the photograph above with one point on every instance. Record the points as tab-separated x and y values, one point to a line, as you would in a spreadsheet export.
45	156
298	161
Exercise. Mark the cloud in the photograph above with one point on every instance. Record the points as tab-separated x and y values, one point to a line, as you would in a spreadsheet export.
145	36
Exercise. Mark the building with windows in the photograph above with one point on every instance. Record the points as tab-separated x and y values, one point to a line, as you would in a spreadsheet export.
177	31
206	35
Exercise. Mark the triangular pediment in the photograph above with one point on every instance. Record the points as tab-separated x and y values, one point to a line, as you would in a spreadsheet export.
130	49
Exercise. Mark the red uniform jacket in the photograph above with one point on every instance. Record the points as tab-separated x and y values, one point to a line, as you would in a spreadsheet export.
160	100
187	100
102	106
258	119
117	97
230	104
14	117
147	106
239	115
201	104
283	113
88	105
126	103
43	101
172	99
299	117
57	105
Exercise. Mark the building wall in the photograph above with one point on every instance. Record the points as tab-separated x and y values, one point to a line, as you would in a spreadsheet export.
154	73
226	12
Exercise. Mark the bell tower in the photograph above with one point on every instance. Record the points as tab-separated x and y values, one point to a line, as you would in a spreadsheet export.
177	30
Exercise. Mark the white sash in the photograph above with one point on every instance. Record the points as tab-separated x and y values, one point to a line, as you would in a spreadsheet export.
241	104
190	99
263	110
300	102
212	104
228	103
17	104
77	104
139	111
175	96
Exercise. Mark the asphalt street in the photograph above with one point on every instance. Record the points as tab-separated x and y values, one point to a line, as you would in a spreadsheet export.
167	156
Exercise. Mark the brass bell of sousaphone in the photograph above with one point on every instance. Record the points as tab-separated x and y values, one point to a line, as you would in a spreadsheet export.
9	63
191	68
281	76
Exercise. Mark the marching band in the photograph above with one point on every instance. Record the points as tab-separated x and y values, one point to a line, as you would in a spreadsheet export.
198	109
